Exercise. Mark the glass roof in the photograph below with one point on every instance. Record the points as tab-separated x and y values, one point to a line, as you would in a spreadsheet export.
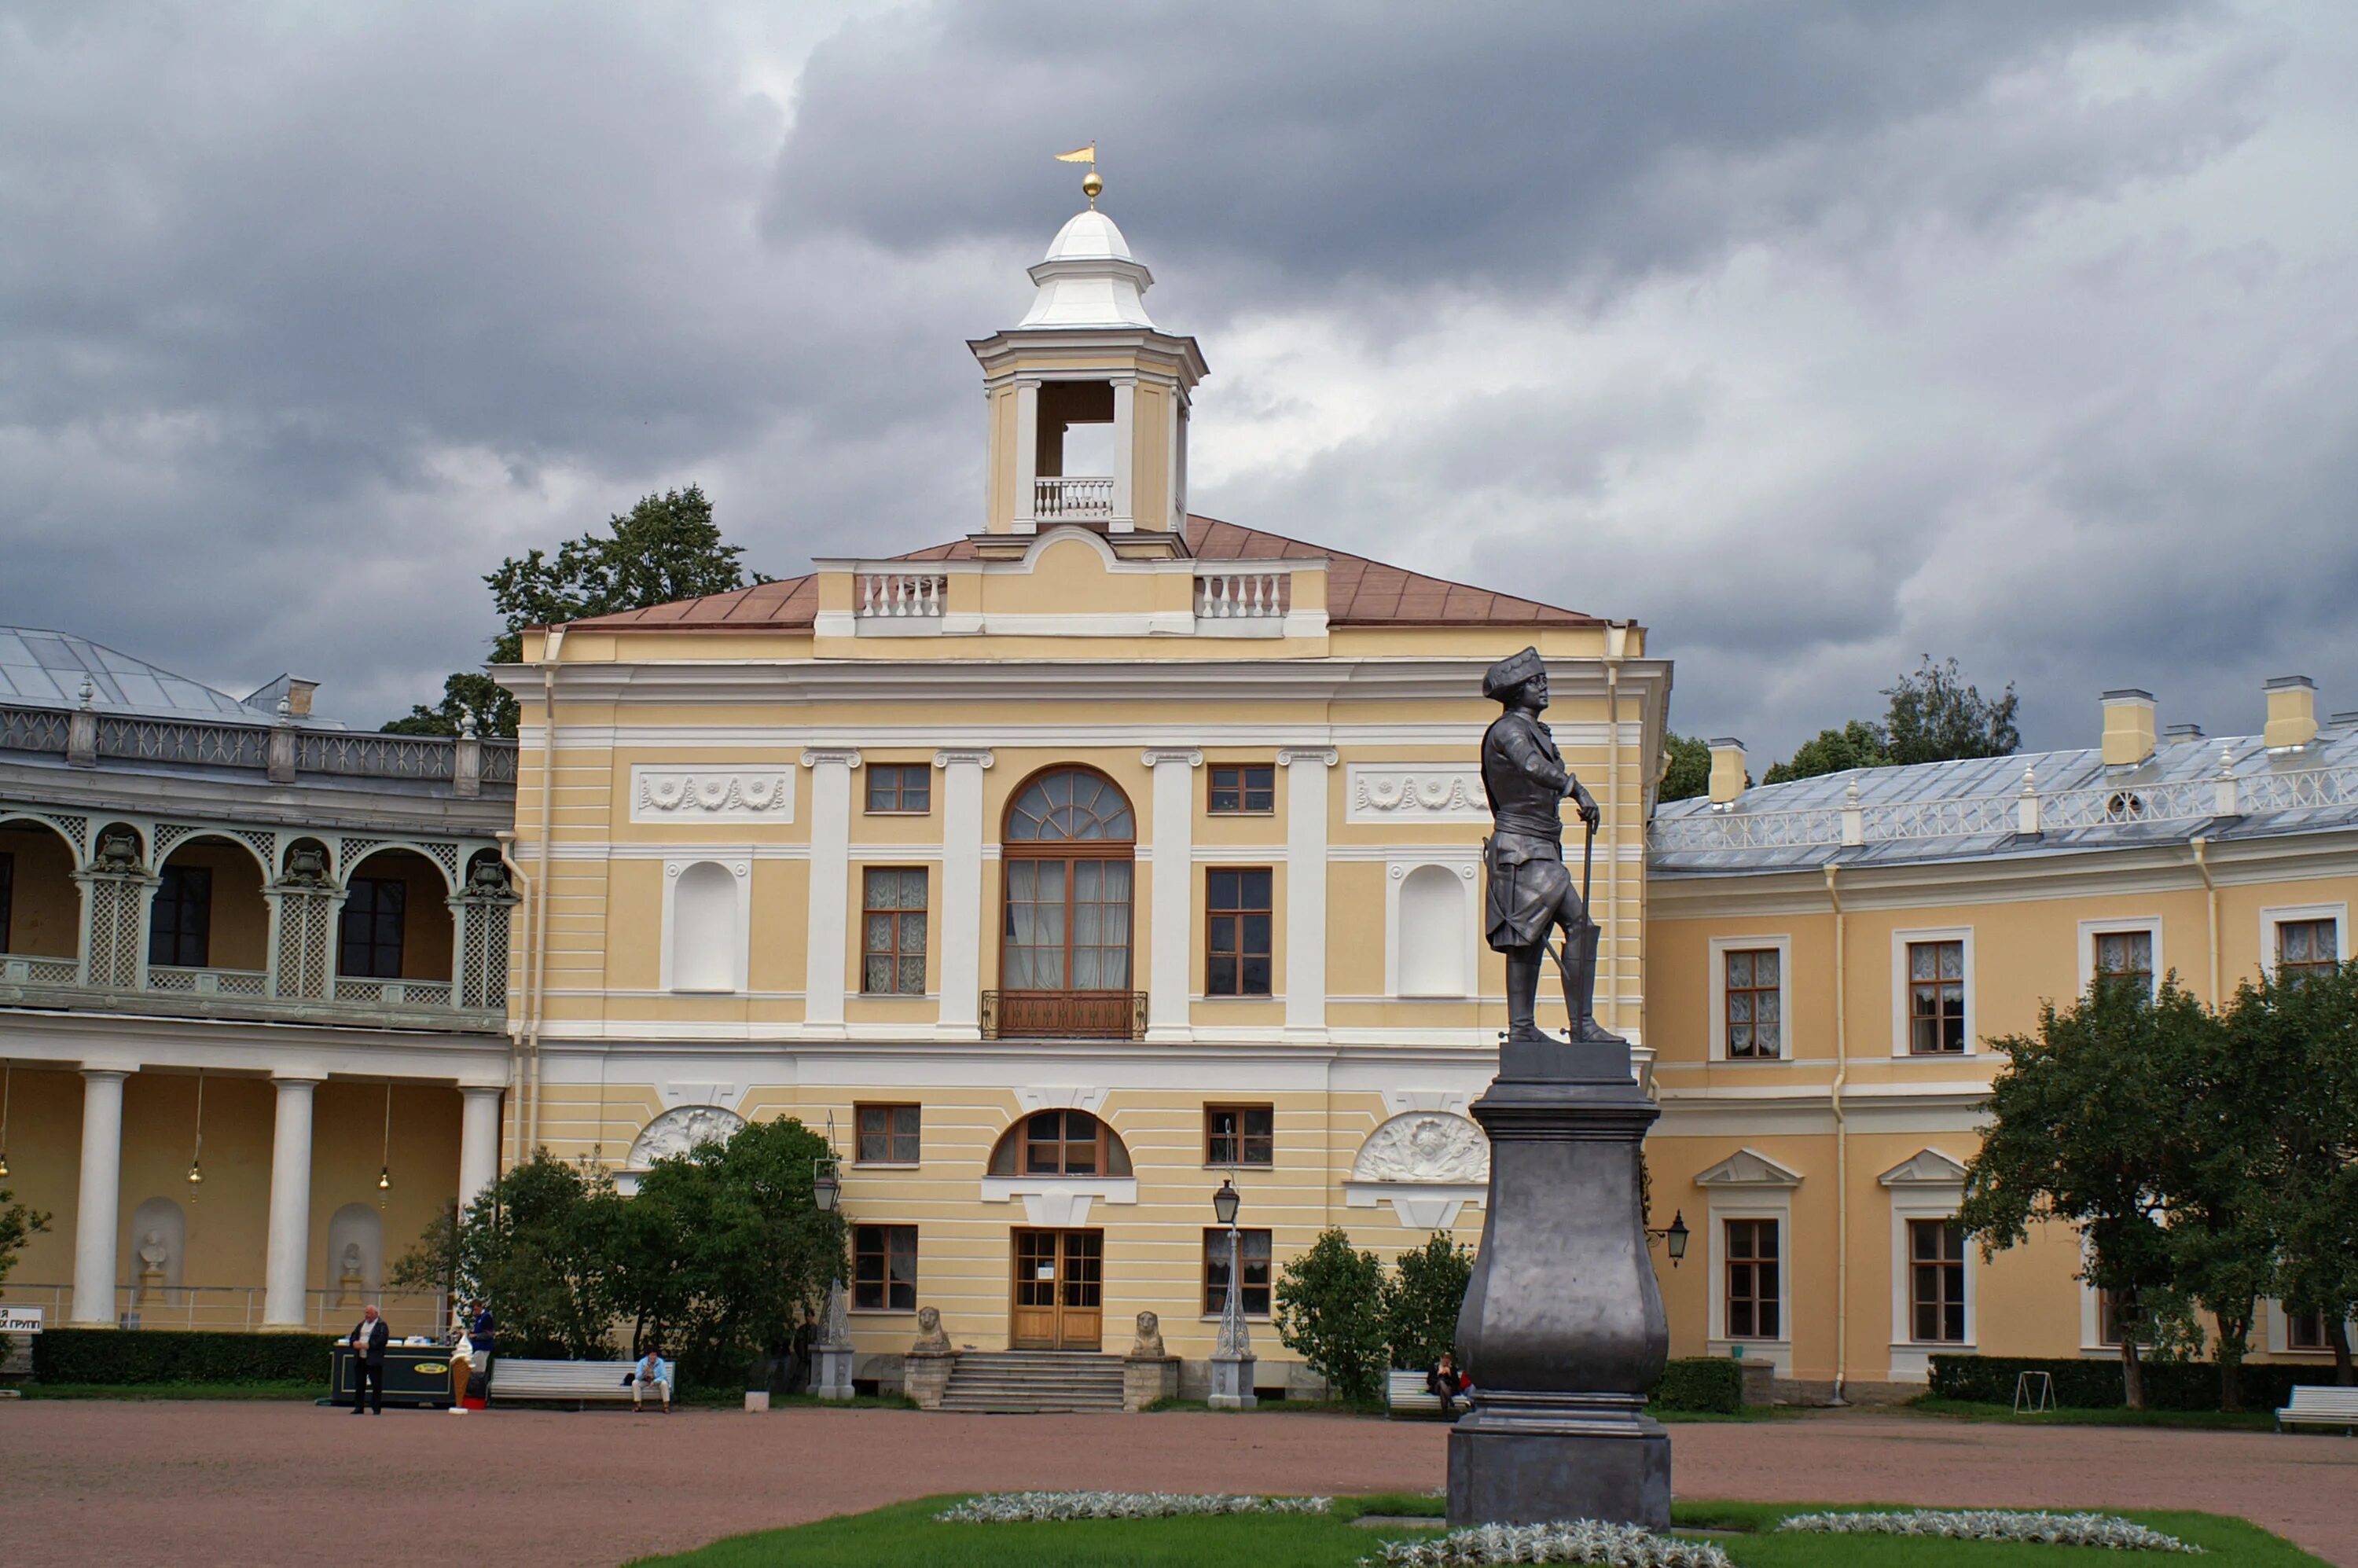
46	669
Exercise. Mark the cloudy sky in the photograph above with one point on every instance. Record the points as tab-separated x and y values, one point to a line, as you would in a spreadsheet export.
1814	336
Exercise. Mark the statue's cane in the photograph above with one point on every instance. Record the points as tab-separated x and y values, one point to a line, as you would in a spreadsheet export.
1587	848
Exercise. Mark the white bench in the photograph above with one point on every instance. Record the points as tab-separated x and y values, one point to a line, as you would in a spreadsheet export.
572	1382
2320	1404
1406	1393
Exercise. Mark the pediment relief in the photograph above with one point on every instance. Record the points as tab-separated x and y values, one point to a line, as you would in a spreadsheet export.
678	1131
1748	1168
1924	1168
1425	1147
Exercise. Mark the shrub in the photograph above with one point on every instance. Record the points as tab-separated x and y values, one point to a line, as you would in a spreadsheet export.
1329	1312
2096	1384
1577	1541
178	1356
1421	1299
1028	1508
2102	1530
1701	1383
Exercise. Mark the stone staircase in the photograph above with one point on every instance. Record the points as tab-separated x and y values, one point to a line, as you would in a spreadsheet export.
1033	1382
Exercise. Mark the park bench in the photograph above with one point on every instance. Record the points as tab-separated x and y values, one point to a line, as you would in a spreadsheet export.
1405	1393
2318	1404
560	1382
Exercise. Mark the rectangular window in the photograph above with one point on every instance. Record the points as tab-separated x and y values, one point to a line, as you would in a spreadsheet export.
892	922
1237	944
1252	1256
1243	789
2125	956
2112	1316
1238	1135
1936	1276
2305	947
888	1134
1755	1020
1752	1284
2305	1331
181	931
884	1268
904	789
1936	997
7	896
368	942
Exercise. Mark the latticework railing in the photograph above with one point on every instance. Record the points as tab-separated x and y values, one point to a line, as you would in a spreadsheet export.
1747	830
28	969
32	730
2301	791
176	980
375	756
184	742
499	762
1064	1015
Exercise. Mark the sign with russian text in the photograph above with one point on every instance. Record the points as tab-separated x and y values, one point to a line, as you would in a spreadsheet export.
19	1320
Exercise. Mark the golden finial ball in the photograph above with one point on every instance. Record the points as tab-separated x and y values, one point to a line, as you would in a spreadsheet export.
1091	185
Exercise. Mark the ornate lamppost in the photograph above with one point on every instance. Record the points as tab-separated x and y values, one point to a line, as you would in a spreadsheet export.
1232	1355
831	1378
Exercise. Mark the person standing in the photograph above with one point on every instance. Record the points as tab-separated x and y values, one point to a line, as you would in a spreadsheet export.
368	1341
481	1338
799	1349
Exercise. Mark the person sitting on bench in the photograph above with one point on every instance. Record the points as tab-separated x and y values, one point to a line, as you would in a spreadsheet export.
1447	1383
652	1370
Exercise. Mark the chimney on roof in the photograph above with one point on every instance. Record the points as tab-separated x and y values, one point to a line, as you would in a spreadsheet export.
2347	720
1727	775
2128	726
2182	734
298	698
2292	713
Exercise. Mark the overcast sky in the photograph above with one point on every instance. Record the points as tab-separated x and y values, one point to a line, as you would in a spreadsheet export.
1814	336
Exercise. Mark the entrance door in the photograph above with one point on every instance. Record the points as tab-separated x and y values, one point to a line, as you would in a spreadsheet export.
1059	1286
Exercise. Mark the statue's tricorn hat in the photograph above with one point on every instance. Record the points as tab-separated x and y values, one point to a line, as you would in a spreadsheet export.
1508	674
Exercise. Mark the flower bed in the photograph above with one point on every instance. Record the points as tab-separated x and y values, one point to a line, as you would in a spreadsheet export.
1578	1540
1028	1508
1979	1524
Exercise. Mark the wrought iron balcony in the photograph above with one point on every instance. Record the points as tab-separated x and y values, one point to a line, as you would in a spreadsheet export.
1064	1015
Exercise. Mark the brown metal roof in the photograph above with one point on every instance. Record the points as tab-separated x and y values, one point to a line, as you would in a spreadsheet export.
1359	592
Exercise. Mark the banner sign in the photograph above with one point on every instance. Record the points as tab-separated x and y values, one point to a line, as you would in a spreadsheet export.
19	1320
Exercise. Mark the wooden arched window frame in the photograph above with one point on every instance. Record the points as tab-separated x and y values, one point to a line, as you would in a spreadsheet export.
1060	1143
1067	849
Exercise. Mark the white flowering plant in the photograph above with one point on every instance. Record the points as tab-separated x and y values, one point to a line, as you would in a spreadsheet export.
1030	1508
1994	1524
1573	1541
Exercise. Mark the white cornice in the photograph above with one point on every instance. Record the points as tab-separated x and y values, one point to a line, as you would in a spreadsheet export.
1464	737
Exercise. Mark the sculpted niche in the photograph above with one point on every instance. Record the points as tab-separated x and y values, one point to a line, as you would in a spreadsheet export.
1424	1146
678	1131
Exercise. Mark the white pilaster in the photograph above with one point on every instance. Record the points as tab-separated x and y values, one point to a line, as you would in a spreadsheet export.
478	1142
1027	456
1125	454
1305	887
1171	959
830	887
98	1202
957	924
287	1262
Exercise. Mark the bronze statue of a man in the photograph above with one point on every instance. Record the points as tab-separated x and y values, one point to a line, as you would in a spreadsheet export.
1530	889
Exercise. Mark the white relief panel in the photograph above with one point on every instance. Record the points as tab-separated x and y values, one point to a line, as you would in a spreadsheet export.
713	795
1424	1146
1396	792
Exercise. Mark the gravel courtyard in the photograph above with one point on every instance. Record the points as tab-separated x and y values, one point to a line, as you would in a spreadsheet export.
267	1483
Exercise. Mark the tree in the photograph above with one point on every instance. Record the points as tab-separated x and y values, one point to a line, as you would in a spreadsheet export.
19	1225
536	1245
2300	1037
667	547
1330	1312
1687	771
2086	1123
1933	716
1421	1299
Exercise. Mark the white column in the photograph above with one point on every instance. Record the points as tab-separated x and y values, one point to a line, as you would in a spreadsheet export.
957	925
287	1263
1305	887
1027	455
478	1142
98	1202
1125	454
830	888
1171	961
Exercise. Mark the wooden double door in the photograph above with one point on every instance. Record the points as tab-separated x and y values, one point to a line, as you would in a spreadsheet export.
1059	1290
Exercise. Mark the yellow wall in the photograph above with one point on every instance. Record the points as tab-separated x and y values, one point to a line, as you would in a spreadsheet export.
45	906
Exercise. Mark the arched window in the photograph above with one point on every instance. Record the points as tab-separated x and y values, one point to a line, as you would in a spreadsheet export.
1060	1143
1064	937
1432	926
705	941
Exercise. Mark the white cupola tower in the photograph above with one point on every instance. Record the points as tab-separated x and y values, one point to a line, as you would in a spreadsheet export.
1089	400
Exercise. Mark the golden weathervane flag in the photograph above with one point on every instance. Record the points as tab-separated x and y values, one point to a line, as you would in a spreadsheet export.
1087	155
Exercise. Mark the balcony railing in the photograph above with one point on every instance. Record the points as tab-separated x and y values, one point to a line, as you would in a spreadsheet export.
895	596
280	752
1072	498
174	979
1243	595
394	993
1064	1015
28	969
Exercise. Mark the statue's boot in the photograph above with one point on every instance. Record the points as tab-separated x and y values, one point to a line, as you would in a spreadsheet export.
1579	966
1522	996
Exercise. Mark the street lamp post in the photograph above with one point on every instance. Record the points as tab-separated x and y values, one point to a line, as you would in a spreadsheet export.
1232	1356
831	1377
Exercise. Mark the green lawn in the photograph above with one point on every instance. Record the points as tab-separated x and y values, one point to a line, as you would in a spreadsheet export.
309	1389
908	1534
2114	1415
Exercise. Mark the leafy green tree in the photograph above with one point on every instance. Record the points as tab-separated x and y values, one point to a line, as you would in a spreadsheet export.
536	1245
2086	1127
1934	715
1857	744
19	1225
667	547
2301	1038
1421	1299
1330	1312
1686	772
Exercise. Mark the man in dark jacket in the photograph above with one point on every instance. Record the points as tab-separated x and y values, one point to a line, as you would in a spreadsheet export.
368	1341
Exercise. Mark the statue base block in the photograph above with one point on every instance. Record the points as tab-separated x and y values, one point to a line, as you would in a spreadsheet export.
1533	1458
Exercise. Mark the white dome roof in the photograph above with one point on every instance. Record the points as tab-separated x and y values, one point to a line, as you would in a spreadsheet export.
1089	279
1088	235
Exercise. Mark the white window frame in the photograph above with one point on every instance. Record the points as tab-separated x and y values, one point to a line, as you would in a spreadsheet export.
1899	1036
2271	918
1911	1358
1752	1204
1397	871
1720	947
2150	924
742	873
